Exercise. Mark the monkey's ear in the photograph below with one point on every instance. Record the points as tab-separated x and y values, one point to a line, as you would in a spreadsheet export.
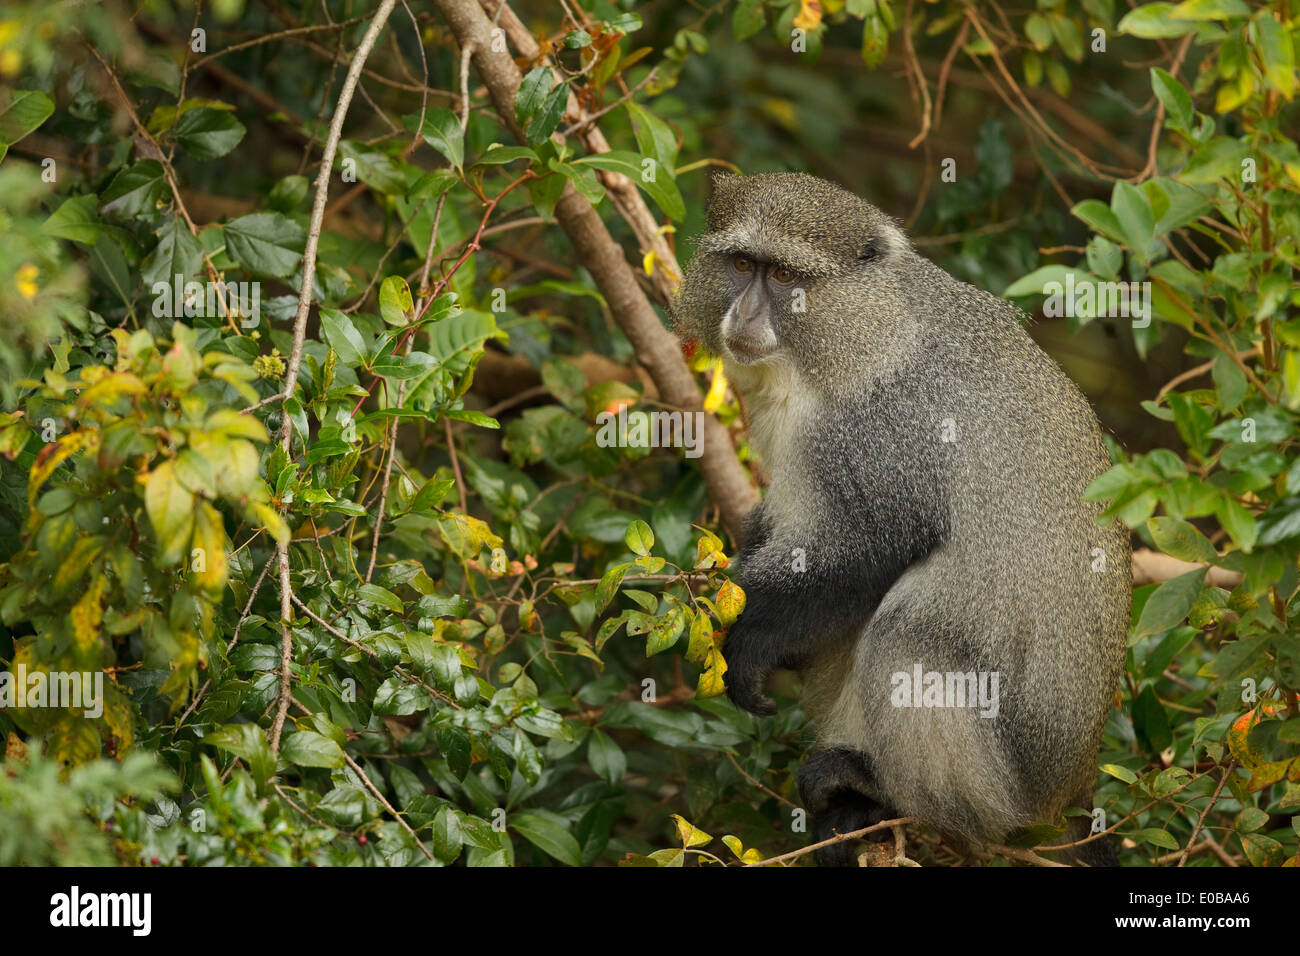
722	186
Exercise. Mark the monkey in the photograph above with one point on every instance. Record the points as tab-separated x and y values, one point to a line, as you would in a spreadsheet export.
924	515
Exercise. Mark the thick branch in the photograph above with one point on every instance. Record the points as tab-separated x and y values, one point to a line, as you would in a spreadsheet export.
657	349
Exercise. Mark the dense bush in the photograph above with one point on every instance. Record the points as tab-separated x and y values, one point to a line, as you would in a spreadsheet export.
362	577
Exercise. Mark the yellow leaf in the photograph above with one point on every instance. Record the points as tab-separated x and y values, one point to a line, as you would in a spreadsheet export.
701	638
730	602
711	683
467	535
109	388
119	716
708	552
87	615
809	16
75	562
270	519
208	549
717	389
171	512
690	835
73	740
232	424
55	454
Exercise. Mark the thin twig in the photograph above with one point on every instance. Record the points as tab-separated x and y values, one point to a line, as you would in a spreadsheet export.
356	768
1214	798
838	838
300	335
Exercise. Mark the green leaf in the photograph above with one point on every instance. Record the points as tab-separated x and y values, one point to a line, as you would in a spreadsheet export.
1151	722
441	130
605	756
1210	10
665	632
747	19
549	833
265	242
395	303
1119	773
640	539
432	185
454	745
1153	21
548	117
178	253
75	219
498	155
343	337
447	838
531	94
1218	159
473	417
608	586
1181	540
1133	213
248	743
207	133
135	191
288	193
1170	602
1099	218
1036	282
24	112
1174	96
1161	838
1262	850
306	748
654	137
1238	521
1276	50
657	181
380	597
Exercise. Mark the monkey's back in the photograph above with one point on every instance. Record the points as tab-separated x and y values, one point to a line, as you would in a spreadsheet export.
1025	584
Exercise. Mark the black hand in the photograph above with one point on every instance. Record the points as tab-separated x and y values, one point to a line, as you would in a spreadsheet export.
746	673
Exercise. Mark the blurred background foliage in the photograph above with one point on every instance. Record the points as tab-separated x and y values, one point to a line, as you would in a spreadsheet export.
467	681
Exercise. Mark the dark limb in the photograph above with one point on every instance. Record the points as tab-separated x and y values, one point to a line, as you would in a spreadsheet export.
836	787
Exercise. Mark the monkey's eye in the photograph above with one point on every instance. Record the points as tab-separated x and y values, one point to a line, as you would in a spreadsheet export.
782	275
743	264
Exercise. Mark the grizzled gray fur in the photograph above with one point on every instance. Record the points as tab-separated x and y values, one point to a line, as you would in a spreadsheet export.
927	467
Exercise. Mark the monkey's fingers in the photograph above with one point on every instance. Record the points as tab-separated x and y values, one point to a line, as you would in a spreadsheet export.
746	692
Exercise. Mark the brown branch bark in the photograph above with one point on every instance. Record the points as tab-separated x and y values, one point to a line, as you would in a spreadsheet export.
1152	567
657	349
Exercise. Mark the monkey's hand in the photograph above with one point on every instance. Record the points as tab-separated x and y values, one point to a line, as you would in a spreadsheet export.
748	667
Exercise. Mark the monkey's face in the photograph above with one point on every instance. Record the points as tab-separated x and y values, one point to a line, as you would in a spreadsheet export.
785	271
763	294
741	304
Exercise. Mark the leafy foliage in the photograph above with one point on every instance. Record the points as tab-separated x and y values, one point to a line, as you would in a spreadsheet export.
505	639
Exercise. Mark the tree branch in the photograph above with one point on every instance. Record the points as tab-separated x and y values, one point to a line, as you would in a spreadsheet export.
657	348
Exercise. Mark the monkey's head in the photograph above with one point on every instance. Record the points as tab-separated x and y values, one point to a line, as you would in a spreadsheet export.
783	267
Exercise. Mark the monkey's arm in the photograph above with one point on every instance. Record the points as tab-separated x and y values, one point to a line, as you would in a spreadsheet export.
804	594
